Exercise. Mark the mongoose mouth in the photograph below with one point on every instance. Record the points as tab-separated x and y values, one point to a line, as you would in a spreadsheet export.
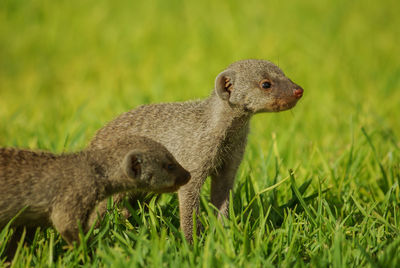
181	180
280	105
170	189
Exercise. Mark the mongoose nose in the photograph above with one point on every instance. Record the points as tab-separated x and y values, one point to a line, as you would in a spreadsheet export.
183	178
298	92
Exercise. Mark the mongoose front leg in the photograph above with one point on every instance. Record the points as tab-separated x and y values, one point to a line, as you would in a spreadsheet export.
222	181
221	185
70	233
189	202
66	223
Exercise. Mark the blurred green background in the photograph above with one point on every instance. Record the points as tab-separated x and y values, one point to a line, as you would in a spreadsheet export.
67	67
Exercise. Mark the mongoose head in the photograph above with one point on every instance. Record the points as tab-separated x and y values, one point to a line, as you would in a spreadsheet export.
151	167
257	86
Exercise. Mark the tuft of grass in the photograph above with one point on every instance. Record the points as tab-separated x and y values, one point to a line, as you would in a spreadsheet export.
68	67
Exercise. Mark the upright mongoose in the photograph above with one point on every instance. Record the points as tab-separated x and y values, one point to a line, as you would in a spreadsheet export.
208	137
62	190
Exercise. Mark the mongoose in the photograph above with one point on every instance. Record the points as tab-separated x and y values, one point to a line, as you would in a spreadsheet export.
208	137
62	190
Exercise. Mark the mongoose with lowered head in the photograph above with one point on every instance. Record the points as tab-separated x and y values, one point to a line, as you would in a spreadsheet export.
208	137
62	190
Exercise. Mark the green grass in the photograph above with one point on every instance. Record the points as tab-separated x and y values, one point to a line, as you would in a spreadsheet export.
68	67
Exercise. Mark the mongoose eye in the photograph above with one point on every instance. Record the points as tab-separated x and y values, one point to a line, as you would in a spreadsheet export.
170	167
265	84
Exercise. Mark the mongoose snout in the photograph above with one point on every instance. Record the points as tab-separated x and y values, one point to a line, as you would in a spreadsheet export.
183	178
285	97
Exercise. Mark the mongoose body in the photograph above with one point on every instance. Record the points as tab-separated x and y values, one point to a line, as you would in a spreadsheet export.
62	190
208	137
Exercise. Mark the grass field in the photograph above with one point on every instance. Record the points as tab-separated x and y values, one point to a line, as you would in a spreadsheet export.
68	67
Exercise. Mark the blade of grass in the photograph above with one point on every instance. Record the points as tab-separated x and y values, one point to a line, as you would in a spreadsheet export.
302	202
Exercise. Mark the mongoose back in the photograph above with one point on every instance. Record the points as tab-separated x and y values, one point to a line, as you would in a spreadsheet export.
208	137
62	190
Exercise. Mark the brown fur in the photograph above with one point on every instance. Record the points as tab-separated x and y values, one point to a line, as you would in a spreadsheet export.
208	137
62	190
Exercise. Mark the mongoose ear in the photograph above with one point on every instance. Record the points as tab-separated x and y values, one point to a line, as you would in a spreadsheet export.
224	84
132	164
